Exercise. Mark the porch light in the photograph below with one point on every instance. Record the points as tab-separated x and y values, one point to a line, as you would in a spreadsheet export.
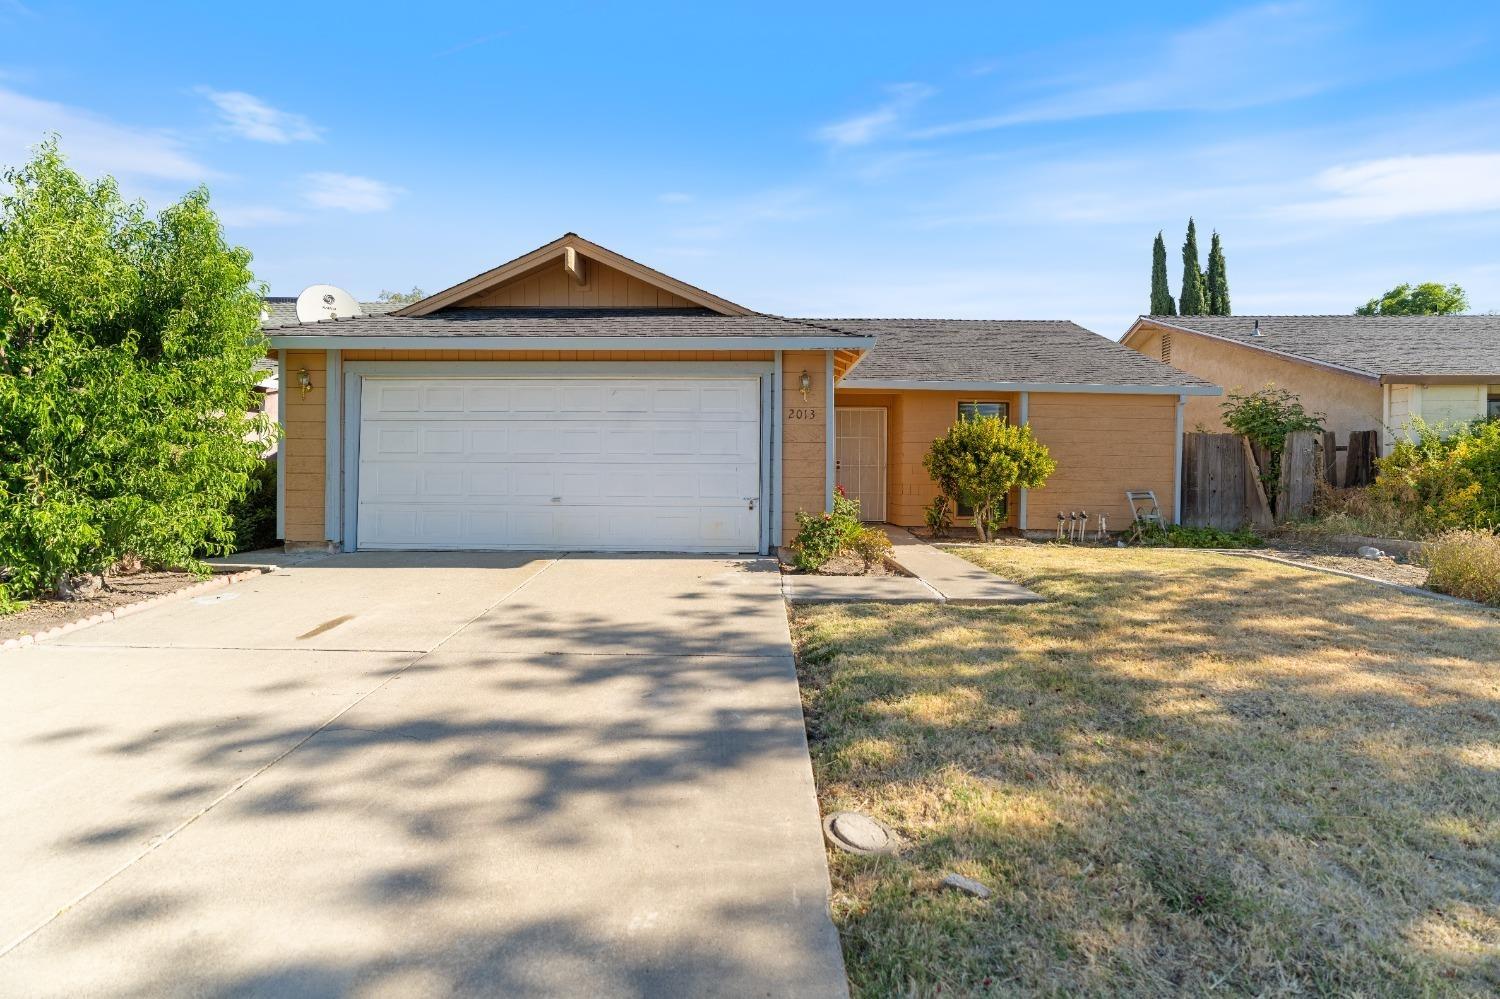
304	380
805	384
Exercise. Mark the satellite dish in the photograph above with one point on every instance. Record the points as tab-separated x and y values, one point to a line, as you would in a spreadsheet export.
324	301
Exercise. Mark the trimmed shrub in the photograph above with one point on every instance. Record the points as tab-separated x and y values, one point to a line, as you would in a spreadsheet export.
1465	564
978	462
821	536
871	545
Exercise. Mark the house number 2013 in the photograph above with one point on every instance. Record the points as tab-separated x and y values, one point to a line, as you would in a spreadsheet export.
806	413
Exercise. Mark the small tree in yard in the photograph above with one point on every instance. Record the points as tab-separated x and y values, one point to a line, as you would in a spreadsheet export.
978	462
127	346
1267	417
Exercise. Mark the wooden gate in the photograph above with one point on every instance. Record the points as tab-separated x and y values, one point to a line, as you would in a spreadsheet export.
1224	484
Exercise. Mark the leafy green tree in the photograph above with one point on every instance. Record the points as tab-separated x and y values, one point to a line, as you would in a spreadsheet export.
1267	417
1426	299
1161	292
127	345
402	297
1218	278
978	462
1191	302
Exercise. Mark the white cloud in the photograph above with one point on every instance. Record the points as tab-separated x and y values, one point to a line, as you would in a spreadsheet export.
251	118
349	192
1406	186
674	198
93	144
866	128
1257	56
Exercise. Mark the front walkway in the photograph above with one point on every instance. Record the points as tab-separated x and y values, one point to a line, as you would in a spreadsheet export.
420	774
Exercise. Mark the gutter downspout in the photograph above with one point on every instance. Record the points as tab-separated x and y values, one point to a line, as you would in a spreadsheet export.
829	432
282	397
1177	474
777	430
1021	506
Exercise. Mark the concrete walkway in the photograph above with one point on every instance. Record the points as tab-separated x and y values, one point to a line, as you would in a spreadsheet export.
934	576
420	775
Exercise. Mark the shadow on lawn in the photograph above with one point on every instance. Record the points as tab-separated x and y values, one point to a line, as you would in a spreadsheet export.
1182	774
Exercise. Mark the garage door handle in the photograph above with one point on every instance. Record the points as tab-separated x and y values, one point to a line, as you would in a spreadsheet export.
557	499
751	500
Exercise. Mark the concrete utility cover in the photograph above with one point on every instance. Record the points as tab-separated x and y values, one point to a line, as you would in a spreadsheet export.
858	833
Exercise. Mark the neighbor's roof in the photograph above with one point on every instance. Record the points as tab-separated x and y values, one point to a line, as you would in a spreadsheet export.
1038	353
1391	347
281	310
561	327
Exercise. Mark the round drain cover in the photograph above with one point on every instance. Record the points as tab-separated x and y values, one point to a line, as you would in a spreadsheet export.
858	833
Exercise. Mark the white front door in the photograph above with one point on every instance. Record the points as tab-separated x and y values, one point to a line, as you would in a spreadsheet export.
861	458
587	464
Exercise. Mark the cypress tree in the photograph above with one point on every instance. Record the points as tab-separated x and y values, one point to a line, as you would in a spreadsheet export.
1191	302
1161	292
1218	279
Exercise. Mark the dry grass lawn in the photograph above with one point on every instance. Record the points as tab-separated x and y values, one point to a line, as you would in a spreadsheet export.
1186	773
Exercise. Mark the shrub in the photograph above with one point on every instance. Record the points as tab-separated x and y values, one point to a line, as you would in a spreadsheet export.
871	545
939	516
1465	564
978	462
1267	418
821	536
127	350
1178	536
254	514
1444	479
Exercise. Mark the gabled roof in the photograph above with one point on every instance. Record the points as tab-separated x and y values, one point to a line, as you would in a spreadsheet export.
281	310
1017	355
559	248
1388	348
570	329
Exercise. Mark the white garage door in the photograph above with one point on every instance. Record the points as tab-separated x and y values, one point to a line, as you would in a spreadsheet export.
590	464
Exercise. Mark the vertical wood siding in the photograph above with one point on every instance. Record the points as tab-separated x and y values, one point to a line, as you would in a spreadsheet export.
303	419
552	287
804	427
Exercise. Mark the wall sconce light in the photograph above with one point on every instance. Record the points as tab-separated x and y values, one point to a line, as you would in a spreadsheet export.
304	380
804	383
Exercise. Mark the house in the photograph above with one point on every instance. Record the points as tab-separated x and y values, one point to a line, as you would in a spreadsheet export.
1361	372
573	398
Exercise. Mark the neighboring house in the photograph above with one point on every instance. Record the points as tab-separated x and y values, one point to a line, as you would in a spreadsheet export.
1362	372
573	398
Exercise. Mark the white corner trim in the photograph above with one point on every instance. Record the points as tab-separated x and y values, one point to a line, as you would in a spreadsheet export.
332	450
1024	419
777	447
1177	471
830	430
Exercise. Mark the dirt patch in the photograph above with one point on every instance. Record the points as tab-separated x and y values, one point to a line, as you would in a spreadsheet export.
43	613
1391	569
843	564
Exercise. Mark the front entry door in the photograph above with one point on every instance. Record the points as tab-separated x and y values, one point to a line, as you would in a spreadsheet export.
861	458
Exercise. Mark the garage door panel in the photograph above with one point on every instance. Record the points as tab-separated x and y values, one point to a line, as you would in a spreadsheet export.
631	464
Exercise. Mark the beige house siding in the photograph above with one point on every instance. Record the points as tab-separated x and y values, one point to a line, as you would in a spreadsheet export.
553	287
303	419
804	440
1347	401
1103	445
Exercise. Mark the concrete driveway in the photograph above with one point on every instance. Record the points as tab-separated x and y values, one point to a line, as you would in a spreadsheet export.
419	774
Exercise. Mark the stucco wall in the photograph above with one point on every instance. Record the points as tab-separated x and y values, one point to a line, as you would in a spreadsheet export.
1103	445
1348	402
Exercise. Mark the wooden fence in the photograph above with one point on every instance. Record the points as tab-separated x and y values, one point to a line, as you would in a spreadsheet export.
1227	483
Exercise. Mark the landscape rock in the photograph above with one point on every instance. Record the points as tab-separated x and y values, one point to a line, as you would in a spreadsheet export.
82	587
966	885
1370	552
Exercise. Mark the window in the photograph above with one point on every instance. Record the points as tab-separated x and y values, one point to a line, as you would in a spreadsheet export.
973	411
1495	405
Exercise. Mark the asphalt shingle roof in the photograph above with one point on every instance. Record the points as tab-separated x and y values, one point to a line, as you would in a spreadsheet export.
281	310
1374	345
1033	351
623	323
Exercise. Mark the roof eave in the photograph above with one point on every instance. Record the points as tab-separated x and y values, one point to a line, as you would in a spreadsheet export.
1284	355
906	384
323	341
1477	378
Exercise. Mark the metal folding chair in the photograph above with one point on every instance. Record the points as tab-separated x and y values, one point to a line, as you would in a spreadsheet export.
1145	513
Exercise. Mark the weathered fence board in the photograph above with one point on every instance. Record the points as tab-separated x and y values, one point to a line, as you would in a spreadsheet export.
1330	458
1301	468
1257	503
1213	481
1359	462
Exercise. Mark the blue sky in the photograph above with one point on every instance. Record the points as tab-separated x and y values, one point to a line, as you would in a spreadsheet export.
998	161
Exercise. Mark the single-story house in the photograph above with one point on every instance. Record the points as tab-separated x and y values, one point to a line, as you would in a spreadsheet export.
1361	372
573	398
